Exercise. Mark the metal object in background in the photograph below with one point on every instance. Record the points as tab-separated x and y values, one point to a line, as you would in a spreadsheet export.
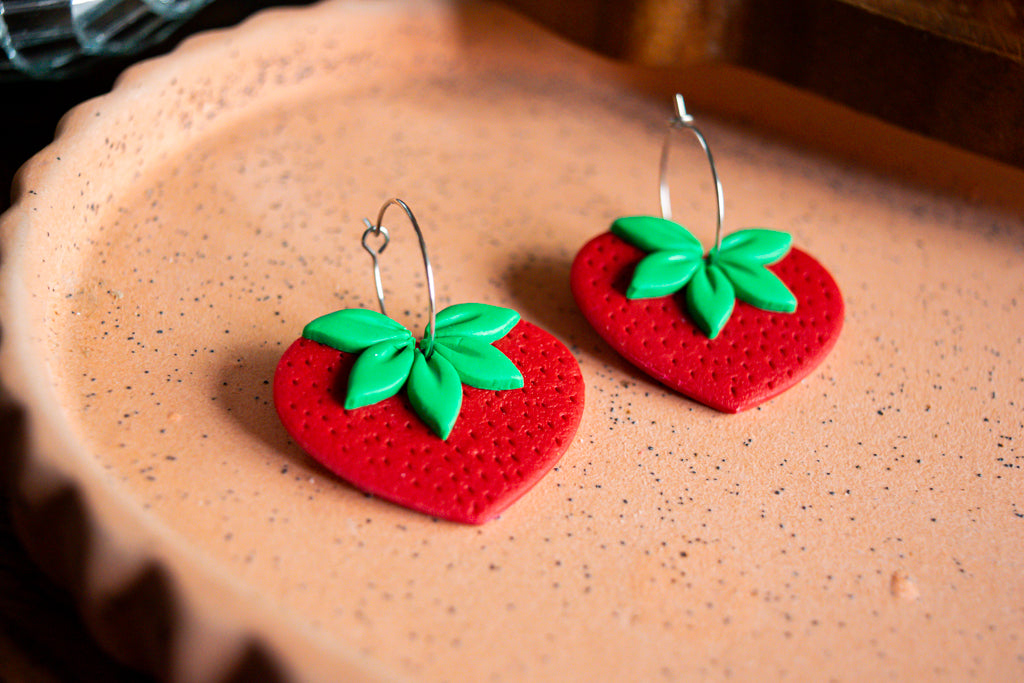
48	38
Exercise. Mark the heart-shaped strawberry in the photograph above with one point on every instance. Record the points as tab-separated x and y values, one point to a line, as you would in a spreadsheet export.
459	453
650	291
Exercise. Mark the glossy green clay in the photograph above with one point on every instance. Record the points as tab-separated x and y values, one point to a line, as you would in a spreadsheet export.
390	359
735	270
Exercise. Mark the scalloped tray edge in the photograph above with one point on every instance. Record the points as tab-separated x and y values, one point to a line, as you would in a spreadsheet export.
141	606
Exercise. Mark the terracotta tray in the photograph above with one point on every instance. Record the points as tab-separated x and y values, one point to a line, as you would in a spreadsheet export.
174	239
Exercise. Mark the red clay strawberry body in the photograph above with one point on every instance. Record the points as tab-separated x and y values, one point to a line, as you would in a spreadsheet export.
501	444
757	354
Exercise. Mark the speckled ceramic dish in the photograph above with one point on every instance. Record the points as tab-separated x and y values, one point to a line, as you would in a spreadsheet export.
868	524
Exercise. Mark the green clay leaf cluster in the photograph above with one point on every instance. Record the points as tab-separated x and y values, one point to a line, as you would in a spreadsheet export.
390	359
735	270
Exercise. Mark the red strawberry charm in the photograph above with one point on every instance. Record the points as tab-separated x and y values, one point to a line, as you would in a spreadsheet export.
731	328
490	403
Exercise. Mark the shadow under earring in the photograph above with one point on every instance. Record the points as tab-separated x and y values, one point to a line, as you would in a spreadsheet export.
489	405
730	327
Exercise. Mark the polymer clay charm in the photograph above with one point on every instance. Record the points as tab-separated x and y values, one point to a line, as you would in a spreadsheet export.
457	425
730	327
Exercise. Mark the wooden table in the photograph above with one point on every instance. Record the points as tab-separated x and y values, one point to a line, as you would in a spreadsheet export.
950	70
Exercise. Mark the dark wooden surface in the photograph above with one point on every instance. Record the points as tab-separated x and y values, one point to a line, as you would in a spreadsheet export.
952	70
995	26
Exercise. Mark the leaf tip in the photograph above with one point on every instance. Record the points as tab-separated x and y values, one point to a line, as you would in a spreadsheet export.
354	401
435	393
713	332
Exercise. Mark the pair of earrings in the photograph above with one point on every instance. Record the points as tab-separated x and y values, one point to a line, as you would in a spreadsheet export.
492	401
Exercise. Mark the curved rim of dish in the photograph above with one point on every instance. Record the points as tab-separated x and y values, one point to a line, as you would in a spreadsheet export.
149	599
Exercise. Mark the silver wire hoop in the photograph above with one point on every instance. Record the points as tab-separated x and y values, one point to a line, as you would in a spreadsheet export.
378	230
681	121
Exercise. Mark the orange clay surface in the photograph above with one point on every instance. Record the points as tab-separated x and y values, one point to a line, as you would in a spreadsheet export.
866	524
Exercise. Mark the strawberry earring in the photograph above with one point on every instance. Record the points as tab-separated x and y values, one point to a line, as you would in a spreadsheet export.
490	402
731	327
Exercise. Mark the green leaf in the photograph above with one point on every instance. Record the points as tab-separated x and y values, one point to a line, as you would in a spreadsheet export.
710	299
662	273
753	245
435	392
379	373
759	287
479	364
480	321
657	234
355	329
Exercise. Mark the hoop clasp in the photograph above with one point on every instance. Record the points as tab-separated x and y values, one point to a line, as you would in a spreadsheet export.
683	120
378	230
